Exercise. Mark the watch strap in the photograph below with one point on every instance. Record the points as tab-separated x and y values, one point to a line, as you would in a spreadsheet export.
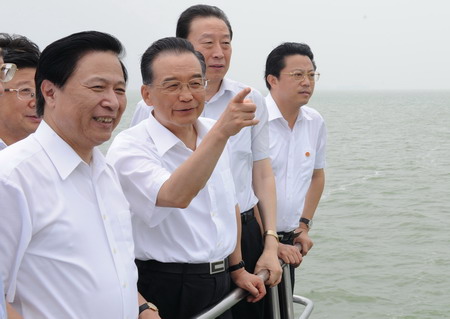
147	305
306	221
236	267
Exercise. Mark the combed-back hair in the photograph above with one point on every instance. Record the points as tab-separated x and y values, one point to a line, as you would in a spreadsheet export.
162	46
276	59
59	59
202	11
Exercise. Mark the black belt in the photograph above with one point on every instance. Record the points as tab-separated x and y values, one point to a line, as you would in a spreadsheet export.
184	268
247	215
287	236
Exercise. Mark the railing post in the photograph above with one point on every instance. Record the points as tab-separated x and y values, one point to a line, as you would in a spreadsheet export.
288	305
275	303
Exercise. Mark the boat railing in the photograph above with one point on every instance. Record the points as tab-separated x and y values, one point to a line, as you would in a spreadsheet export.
287	303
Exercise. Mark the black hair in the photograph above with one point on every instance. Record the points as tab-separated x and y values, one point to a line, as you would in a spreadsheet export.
276	59
200	10
164	45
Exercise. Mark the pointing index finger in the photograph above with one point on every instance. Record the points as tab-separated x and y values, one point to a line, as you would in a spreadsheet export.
239	98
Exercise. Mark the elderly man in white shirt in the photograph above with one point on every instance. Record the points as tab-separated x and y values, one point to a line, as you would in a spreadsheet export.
65	238
297	146
209	30
174	169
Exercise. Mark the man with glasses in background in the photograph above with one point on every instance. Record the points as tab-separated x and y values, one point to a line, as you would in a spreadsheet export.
6	74
174	168
18	117
297	146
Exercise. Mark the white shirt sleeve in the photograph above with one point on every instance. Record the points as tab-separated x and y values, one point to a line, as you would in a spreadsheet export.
141	174
15	234
260	132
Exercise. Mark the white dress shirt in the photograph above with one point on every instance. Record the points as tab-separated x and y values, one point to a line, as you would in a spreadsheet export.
66	245
2	301
144	157
295	154
249	145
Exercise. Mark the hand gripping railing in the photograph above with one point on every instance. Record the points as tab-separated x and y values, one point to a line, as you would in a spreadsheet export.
288	303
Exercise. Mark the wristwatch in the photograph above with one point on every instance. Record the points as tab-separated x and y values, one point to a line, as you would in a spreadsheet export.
307	222
147	305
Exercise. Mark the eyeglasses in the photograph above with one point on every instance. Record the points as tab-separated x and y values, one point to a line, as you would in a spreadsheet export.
300	76
24	94
7	71
175	87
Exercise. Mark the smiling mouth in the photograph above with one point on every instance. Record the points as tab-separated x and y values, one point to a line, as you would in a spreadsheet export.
185	110
103	119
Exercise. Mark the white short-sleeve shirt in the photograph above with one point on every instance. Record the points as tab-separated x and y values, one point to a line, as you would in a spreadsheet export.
295	154
249	145
66	245
145	156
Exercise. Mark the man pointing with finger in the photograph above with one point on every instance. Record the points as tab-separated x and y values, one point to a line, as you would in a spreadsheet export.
174	169
209	30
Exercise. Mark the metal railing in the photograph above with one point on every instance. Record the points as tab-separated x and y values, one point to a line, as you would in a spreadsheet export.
287	303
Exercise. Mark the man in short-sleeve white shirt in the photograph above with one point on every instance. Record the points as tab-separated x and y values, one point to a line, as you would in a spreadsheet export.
208	29
297	145
66	243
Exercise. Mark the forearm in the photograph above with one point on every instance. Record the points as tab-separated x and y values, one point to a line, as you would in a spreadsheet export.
264	188
12	313
314	194
236	255
190	177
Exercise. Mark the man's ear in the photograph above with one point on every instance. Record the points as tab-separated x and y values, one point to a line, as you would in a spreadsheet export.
48	90
273	81
146	95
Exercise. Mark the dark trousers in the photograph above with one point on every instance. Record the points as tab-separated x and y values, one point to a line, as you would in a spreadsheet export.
252	248
181	295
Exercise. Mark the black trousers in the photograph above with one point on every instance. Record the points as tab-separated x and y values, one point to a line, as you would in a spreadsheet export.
182	295
252	248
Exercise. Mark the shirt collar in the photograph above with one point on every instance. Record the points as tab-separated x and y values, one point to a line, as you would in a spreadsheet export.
272	108
274	111
164	139
225	86
62	155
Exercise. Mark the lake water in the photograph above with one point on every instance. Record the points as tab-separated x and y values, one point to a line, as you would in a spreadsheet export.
382	229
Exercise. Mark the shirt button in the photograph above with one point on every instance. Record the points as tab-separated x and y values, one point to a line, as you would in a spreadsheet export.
104	217
114	251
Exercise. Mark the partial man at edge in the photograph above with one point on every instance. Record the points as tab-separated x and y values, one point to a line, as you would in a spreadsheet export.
18	117
209	30
66	243
6	74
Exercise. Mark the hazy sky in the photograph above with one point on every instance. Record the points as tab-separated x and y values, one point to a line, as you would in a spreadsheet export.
358	44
